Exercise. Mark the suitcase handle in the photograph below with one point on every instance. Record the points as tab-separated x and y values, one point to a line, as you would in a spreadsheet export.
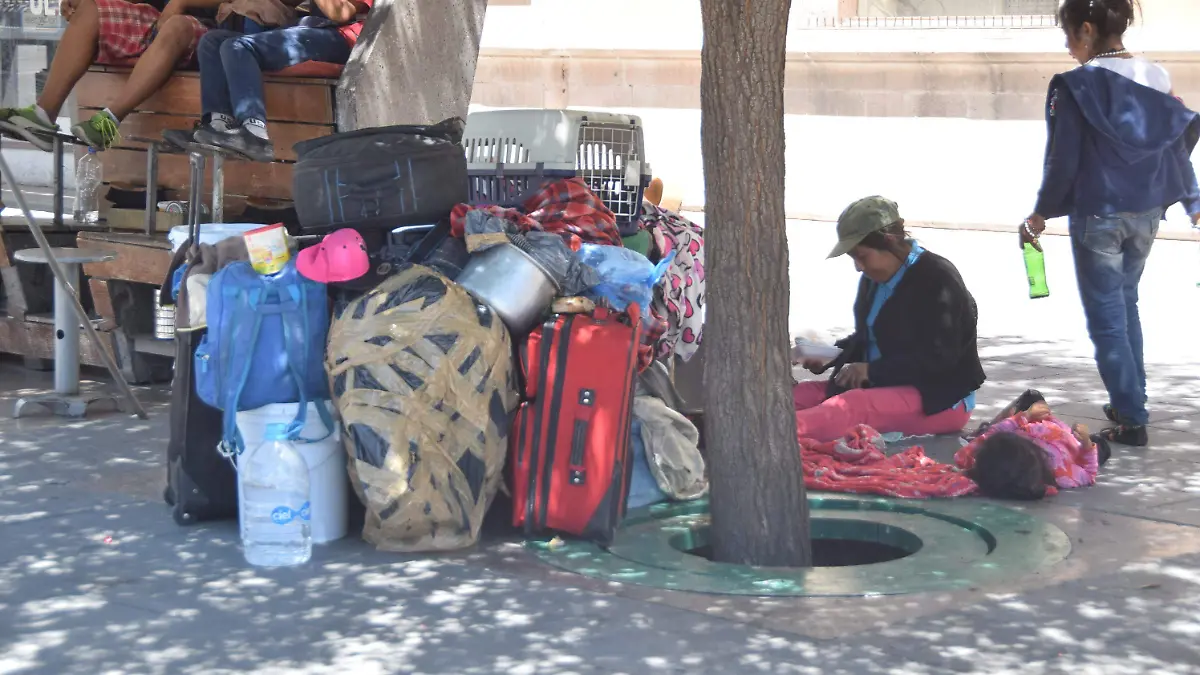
577	471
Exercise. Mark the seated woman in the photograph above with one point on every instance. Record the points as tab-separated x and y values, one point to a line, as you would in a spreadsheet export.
1029	454
911	365
232	64
110	32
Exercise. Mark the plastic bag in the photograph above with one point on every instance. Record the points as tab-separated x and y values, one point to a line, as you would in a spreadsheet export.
625	276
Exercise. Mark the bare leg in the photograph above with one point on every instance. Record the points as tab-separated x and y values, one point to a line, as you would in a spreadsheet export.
155	66
74	56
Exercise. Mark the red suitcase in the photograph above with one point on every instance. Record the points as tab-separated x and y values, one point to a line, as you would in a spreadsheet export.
570	440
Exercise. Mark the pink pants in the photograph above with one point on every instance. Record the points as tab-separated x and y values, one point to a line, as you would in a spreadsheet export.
887	410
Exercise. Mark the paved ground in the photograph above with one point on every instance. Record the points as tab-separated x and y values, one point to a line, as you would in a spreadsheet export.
96	578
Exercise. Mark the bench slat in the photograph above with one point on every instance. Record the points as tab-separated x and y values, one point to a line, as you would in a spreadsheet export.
149	125
246	179
288	99
139	259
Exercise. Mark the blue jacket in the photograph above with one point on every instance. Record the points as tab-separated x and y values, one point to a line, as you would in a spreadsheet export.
1115	146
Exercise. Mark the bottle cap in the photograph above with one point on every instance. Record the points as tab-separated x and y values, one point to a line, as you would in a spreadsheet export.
91	150
276	432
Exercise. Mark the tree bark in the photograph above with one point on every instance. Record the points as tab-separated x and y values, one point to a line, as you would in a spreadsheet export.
759	509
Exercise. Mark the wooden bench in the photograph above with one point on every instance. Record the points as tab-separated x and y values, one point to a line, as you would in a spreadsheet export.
300	106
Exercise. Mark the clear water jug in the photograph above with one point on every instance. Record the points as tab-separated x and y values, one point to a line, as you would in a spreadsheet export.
274	502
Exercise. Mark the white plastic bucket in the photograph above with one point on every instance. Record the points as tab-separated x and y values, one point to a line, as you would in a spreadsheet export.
328	482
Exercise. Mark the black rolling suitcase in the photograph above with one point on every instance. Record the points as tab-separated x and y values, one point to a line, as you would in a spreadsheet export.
380	178
201	484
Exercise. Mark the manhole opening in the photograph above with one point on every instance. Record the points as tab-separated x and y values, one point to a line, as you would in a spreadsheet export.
836	542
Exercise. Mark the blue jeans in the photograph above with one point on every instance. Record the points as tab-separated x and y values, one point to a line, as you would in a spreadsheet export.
232	64
1110	255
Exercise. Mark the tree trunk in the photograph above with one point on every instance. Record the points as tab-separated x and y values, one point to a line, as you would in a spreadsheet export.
759	509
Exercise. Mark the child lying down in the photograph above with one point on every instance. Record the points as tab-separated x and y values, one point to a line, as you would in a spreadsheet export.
1029	454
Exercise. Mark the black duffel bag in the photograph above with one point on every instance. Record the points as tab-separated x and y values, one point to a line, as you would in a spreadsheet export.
380	178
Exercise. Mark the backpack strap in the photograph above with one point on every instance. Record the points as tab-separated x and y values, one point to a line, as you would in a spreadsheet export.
231	443
297	358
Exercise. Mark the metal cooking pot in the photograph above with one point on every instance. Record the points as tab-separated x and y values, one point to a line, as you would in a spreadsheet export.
512	283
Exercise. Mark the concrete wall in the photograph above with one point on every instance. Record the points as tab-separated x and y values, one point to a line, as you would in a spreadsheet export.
947	121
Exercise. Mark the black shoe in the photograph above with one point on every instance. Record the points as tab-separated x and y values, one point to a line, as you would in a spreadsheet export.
242	142
1020	404
1025	401
1124	434
183	138
1103	449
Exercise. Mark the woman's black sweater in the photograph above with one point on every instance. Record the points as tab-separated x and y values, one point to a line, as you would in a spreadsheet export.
926	334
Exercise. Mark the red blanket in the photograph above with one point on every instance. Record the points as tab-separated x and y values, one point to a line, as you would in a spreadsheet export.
858	465
564	207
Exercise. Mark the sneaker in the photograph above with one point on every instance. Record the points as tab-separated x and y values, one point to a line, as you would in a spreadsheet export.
26	123
242	142
183	138
99	132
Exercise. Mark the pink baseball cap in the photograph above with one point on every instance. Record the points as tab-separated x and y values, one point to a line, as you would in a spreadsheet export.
341	256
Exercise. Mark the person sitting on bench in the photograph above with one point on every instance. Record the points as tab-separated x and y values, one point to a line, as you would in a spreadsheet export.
232	64
110	32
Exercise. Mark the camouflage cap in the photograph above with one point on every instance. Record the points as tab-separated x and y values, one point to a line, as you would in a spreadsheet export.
867	215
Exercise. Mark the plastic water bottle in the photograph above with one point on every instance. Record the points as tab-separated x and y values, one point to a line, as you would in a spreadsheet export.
1035	269
89	175
274	493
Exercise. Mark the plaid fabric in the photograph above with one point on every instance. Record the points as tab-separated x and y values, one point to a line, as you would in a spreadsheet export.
564	207
571	210
127	29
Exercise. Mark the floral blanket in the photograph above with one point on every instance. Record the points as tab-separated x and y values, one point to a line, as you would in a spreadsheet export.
857	464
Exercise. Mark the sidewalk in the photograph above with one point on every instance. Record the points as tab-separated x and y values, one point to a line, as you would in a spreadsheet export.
95	577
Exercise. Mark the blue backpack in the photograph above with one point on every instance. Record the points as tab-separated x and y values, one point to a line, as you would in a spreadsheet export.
265	344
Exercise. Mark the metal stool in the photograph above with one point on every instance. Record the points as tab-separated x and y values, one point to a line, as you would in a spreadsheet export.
65	400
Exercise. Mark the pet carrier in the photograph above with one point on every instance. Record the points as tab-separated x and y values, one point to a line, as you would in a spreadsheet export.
512	152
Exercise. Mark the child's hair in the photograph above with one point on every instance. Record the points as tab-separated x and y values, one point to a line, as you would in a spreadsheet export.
1010	466
1110	17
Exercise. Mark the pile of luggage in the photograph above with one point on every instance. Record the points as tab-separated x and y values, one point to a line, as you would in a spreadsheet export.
449	374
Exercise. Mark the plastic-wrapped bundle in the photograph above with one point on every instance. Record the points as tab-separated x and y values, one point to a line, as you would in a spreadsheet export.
423	379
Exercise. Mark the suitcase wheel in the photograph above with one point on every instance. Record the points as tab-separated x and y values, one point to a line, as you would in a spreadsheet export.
182	517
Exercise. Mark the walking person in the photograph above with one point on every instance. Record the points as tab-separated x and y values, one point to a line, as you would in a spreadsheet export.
1117	156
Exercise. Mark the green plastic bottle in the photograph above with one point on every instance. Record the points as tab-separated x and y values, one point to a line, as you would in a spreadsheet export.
1035	269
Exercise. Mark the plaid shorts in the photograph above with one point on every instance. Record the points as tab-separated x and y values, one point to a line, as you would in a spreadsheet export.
126	30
